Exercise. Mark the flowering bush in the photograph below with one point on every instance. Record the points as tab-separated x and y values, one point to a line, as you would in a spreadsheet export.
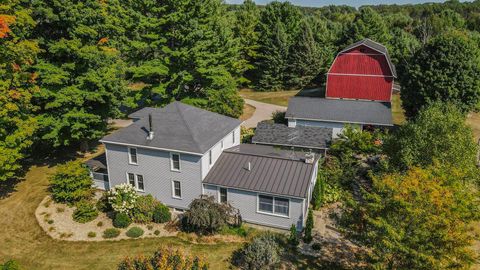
122	198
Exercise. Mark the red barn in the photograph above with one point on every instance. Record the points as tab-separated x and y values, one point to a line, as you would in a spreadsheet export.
363	71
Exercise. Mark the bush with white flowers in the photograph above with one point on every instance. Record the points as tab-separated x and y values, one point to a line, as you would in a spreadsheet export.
122	198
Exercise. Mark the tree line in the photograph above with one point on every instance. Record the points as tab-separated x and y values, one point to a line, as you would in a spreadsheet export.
66	67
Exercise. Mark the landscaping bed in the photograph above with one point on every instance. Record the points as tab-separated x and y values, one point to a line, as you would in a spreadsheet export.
56	220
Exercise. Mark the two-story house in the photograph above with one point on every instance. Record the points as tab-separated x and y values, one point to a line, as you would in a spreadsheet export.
180	152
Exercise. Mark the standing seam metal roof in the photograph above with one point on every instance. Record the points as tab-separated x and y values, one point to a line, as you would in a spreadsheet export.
273	171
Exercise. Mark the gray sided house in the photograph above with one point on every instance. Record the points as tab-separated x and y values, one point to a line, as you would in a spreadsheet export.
180	152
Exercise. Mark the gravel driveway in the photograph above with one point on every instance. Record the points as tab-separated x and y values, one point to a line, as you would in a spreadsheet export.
263	111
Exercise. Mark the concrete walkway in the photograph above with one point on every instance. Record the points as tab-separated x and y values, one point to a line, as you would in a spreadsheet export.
263	111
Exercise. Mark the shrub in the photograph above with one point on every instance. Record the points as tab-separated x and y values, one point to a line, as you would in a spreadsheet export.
162	259
85	211
144	208
279	117
246	134
60	209
134	232
293	237
121	220
307	237
161	214
156	232
10	265
111	233
71	183
91	234
122	198
261	253
206	216
99	224
103	205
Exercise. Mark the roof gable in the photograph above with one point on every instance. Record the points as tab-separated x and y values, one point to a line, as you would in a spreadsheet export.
375	46
176	126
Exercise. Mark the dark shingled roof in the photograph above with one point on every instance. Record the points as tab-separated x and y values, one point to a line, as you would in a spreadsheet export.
272	170
376	46
299	136
340	110
97	163
177	126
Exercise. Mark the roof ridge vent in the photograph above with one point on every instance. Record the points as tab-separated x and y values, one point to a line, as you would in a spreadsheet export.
248	166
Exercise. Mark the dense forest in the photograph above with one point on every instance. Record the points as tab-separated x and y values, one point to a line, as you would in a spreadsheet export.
66	67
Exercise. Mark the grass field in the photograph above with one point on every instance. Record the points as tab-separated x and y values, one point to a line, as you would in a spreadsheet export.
23	240
278	98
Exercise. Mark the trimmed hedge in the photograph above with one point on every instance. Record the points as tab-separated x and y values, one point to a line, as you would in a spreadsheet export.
121	220
134	232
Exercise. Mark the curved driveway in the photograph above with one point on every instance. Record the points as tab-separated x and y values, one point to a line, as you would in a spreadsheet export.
263	111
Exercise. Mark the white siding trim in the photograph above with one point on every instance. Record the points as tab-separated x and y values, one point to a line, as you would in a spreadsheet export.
130	156
179	162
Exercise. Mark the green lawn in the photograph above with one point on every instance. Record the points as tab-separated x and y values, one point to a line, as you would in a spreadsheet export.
22	238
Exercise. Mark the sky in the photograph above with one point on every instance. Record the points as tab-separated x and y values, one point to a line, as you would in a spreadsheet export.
355	3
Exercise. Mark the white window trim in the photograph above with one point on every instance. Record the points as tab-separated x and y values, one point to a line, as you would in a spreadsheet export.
130	156
173	189
273	209
219	194
135	179
179	162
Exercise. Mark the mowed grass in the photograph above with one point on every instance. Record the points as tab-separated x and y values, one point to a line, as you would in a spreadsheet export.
278	98
22	239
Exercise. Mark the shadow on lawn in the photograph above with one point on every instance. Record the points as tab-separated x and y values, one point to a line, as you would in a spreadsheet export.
42	157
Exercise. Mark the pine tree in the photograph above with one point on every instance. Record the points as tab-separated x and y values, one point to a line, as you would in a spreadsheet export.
293	237
278	27
307	234
306	58
203	55
367	24
247	19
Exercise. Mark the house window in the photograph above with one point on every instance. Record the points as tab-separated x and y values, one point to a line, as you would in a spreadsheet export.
175	162
140	185
136	180
210	157
132	155
177	189
223	195
131	179
273	205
